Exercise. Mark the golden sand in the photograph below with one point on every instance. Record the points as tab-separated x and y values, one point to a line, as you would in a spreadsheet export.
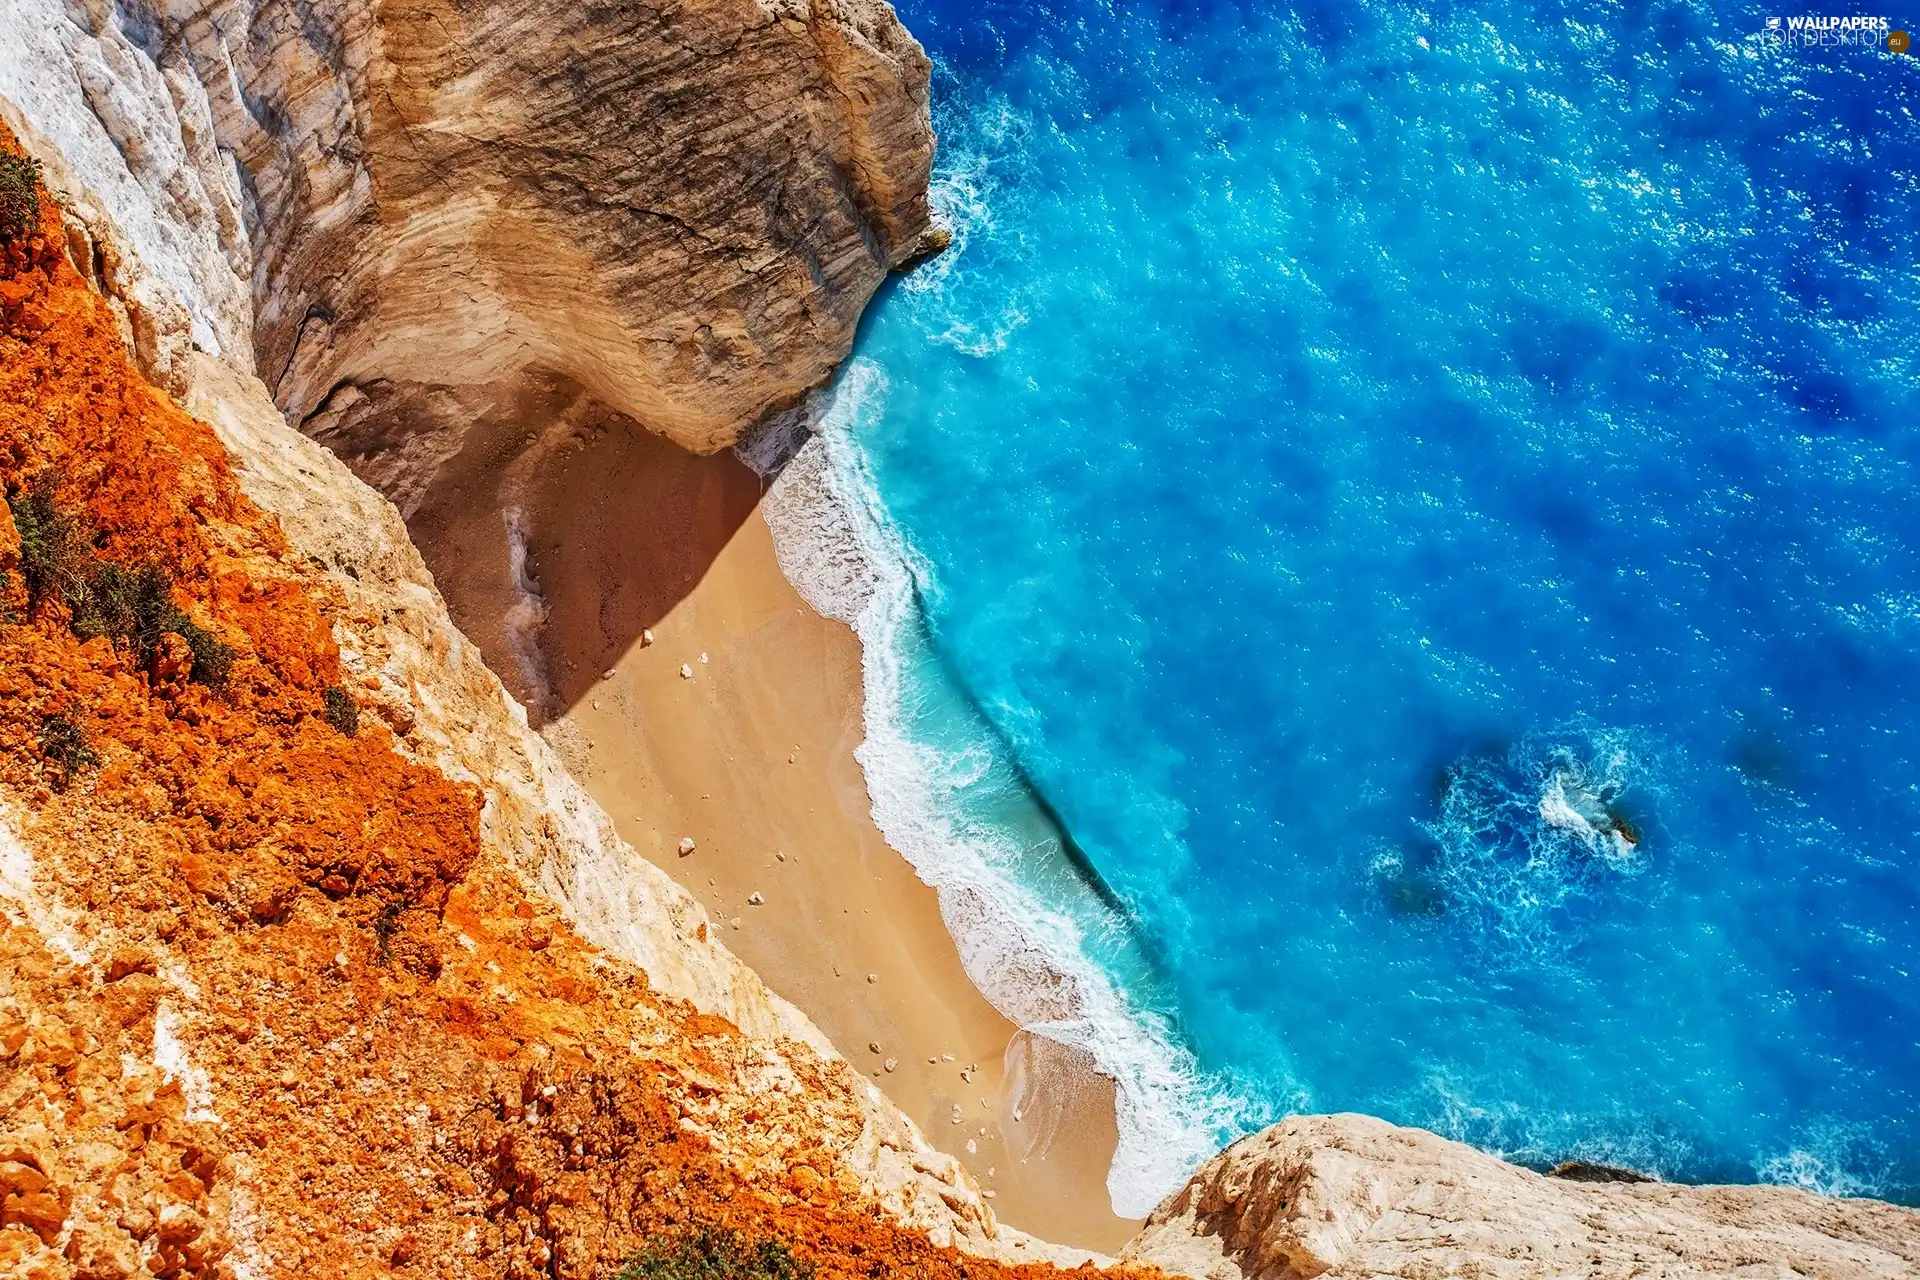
750	755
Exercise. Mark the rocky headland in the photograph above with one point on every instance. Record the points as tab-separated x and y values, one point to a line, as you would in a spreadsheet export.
316	957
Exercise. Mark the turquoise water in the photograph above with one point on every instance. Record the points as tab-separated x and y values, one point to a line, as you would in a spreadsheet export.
1410	553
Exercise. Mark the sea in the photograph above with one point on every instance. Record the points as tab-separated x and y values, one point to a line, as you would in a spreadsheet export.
1385	551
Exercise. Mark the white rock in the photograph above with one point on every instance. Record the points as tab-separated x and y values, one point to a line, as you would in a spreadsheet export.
646	636
1350	1195
755	900
703	657
686	672
686	845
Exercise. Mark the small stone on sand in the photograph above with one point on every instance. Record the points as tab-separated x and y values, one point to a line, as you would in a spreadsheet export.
873	977
946	1057
892	1063
779	857
596	704
686	672
646	636
735	922
973	1148
755	900
873	1046
793	757
686	845
607	674
989	1194
703	657
958	1117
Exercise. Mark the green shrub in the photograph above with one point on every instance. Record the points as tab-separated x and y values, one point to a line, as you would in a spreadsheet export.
64	743
340	710
19	197
56	547
212	659
715	1254
131	607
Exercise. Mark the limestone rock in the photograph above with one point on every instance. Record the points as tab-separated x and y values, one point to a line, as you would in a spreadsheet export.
678	211
1351	1196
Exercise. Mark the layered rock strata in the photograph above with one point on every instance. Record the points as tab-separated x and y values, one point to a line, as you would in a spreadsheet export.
1351	1196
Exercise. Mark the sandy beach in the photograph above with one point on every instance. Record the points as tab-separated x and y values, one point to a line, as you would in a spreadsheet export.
751	755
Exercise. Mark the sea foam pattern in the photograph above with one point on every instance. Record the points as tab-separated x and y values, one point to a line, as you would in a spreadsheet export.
1042	947
1425	495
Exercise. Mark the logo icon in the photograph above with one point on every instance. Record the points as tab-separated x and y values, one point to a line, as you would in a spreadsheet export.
1899	41
1773	24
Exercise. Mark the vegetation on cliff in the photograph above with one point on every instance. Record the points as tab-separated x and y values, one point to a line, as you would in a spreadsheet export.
19	195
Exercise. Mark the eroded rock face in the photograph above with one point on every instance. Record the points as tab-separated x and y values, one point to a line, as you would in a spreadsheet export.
1352	1196
679	207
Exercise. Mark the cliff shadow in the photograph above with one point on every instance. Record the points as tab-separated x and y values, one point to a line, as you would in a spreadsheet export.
557	529
623	527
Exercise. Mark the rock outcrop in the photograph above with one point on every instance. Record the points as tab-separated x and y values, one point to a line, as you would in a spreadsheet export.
1351	1196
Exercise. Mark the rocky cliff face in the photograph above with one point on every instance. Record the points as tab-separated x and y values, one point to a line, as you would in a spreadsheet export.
439	231
680	207
312	959
1352	1196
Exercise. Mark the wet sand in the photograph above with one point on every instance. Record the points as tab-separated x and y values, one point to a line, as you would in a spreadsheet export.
752	757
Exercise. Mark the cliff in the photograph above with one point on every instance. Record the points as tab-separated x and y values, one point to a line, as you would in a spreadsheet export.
395	209
1352	1196
280	995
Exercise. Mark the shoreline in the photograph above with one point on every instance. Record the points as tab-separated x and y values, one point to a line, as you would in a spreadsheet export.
752	757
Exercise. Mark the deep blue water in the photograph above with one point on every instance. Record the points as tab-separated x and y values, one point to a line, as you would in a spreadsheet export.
1426	495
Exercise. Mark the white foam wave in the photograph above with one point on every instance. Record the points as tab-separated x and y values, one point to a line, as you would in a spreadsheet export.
1524	835
962	298
1831	1158
1026	951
